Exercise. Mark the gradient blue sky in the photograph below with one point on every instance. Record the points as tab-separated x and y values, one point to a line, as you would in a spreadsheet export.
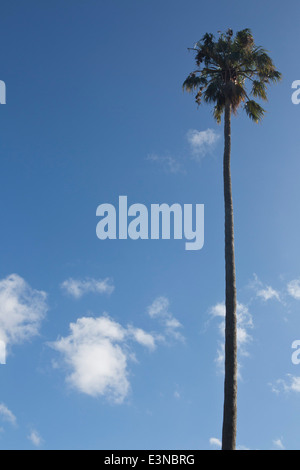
95	110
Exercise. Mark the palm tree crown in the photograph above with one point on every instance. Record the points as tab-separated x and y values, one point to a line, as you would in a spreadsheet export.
224	67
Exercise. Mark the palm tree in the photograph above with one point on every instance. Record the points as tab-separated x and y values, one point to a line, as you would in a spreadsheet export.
226	68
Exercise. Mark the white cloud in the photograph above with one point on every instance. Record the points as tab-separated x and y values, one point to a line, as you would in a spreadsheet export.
293	288
278	443
268	293
7	415
159	309
35	438
97	351
97	363
264	292
77	288
21	310
143	338
96	354
244	323
202	142
220	359
218	310
2	352
294	385
214	442
291	384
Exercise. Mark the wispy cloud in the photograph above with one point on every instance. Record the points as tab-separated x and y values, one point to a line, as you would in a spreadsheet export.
278	444
290	384
142	337
268	293
244	324
35	438
79	287
159	309
217	444
168	164
202	142
7	415
21	310
264	292
293	288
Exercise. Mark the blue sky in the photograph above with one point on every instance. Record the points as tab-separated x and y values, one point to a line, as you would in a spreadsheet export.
117	344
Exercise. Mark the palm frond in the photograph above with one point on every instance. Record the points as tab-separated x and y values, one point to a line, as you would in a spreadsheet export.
259	89
254	111
218	111
193	82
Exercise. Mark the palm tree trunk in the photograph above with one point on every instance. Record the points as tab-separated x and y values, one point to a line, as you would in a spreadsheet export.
230	385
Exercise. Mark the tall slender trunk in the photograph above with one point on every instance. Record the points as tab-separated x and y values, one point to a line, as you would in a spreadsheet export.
230	385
